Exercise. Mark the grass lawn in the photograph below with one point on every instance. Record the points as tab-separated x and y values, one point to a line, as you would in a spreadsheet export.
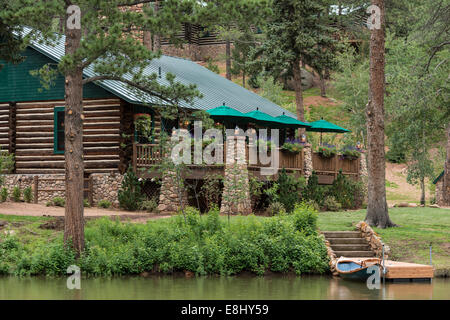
411	241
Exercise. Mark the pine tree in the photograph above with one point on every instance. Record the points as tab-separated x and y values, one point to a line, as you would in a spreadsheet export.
294	29
106	40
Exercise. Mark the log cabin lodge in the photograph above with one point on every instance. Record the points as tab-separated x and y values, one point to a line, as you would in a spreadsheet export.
32	128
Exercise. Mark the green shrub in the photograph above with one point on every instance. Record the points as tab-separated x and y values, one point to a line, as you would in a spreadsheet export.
130	196
4	194
330	204
149	205
16	193
313	204
276	208
348	192
395	155
28	194
105	204
313	191
290	189
305	218
86	203
58	202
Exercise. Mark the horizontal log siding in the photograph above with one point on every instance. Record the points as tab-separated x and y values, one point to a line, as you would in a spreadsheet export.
4	126
35	137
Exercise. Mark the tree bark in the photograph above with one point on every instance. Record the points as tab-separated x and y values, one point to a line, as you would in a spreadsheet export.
156	37
298	93
228	58
377	210
446	181
323	92
74	221
422	191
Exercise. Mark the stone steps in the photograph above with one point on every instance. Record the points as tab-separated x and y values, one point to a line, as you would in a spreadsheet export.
348	244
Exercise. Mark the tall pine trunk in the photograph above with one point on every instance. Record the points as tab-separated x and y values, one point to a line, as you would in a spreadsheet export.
323	92
74	221
228	58
377	210
297	72
446	181
156	37
422	191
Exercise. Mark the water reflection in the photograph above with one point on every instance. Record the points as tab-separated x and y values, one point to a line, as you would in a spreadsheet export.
243	287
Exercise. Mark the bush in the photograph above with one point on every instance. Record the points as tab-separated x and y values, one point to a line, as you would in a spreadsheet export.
4	194
348	192
86	203
395	155
314	205
290	189
276	208
203	245
313	191
330	204
28	194
16	193
105	204
130	196
149	205
58	202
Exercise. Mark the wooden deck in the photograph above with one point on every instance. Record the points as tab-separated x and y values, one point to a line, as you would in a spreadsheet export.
397	270
405	270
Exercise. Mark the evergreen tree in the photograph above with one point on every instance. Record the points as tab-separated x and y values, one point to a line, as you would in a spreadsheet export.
294	29
106	40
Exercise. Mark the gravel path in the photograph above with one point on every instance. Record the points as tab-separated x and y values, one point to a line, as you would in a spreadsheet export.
31	209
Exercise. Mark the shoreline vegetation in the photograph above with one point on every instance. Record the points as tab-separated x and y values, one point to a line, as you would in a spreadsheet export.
209	245
201	245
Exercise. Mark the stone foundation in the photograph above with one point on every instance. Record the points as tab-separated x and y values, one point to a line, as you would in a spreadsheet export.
308	163
332	257
169	200
374	240
105	186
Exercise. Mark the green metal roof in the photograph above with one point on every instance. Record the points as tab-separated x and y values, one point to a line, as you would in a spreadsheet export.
439	177
216	89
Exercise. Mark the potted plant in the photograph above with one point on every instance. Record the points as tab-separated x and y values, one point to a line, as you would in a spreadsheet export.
327	151
143	124
350	153
292	147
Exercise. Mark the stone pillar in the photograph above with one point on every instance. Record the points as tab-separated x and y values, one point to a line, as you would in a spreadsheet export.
307	161
105	186
363	175
236	187
169	200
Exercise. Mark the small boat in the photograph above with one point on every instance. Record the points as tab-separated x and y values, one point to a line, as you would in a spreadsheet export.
356	269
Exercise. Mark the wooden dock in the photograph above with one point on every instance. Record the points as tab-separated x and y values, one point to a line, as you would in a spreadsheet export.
408	271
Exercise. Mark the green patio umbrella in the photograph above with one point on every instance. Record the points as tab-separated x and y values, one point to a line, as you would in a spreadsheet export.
227	114
265	119
325	126
292	122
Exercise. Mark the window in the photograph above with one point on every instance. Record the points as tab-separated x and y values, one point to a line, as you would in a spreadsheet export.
58	137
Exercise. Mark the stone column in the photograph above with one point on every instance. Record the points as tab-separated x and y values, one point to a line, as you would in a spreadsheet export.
363	175
307	161
169	200
236	187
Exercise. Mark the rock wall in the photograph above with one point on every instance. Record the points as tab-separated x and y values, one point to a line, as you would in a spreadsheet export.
332	257
45	182
169	200
308	163
106	187
374	240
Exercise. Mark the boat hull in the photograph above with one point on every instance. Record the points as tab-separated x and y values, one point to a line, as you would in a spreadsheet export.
352	270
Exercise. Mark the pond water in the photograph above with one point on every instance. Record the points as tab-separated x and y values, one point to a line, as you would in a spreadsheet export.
206	288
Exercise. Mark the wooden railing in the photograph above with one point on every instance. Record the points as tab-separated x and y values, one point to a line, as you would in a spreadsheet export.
146	155
330	167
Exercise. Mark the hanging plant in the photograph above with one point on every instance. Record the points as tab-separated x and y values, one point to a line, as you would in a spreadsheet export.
350	153
290	147
327	151
143	125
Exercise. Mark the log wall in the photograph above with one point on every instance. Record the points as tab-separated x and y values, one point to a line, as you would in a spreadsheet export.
35	137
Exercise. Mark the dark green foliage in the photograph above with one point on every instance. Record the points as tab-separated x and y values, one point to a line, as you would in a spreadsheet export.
58	202
149	205
16	193
330	204
27	194
130	195
105	204
290	189
276	208
395	156
4	195
313	191
203	245
86	203
347	192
